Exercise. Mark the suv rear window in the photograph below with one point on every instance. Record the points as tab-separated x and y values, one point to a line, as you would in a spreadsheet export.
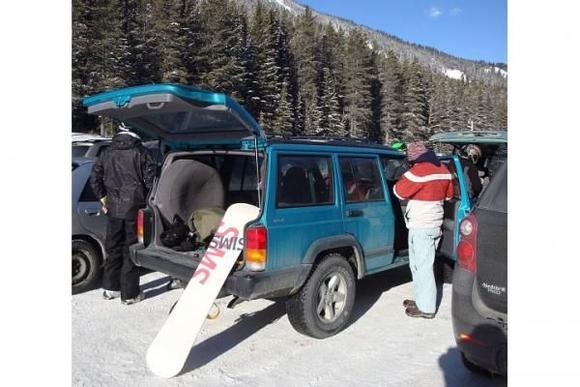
80	150
304	181
494	197
361	179
88	195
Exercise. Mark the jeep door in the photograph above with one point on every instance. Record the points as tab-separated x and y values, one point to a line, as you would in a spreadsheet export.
301	205
367	211
454	210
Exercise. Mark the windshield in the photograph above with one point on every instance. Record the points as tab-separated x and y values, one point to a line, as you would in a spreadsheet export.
80	150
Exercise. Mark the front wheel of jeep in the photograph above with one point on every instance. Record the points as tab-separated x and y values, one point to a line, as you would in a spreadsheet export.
324	304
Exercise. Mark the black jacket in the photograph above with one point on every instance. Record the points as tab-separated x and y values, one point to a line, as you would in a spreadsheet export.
472	179
123	173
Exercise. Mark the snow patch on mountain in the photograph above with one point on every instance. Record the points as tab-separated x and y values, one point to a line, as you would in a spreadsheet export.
496	70
454	74
283	4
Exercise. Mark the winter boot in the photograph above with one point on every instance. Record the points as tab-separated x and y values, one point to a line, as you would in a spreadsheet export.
414	311
175	284
407	303
131	301
111	294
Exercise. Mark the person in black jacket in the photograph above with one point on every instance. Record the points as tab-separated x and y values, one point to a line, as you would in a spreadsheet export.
121	178
470	155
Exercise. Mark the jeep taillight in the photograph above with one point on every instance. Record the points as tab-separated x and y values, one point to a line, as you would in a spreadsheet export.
255	248
467	247
140	220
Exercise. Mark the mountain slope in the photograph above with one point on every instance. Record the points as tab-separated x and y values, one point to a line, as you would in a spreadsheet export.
437	61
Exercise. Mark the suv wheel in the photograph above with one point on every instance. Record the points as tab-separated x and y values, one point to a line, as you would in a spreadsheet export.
86	266
322	307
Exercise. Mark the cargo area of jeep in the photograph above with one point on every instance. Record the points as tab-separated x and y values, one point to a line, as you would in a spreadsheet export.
327	213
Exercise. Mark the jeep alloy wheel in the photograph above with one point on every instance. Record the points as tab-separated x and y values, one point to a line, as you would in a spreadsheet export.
331	297
322	307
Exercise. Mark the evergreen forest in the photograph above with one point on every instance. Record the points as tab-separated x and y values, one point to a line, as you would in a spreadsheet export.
296	75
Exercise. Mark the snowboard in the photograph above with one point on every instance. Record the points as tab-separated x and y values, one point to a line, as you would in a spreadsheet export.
169	350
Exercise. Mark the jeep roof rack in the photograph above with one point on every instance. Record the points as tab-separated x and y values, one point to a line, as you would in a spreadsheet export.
332	138
329	140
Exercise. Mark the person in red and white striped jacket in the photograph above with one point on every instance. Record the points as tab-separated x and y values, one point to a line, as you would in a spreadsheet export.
426	185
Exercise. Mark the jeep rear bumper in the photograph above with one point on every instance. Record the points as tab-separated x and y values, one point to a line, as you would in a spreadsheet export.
247	285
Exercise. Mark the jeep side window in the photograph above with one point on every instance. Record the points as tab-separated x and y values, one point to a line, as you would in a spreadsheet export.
304	181
361	179
394	168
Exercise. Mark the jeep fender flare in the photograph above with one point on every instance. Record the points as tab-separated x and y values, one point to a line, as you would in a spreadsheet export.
336	242
329	243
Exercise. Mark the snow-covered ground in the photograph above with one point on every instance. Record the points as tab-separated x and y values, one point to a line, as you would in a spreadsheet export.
255	345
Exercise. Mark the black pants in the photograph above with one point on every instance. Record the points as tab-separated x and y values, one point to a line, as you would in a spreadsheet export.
120	273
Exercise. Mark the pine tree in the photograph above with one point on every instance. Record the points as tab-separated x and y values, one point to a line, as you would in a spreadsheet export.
439	120
330	83
141	59
97	52
332	122
172	28
267	78
357	98
222	58
392	101
283	121
306	51
415	103
83	65
374	131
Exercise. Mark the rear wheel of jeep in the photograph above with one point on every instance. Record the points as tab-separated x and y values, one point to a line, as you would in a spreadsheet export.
322	307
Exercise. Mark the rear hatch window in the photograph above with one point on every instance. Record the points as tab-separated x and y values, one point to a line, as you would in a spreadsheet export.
177	113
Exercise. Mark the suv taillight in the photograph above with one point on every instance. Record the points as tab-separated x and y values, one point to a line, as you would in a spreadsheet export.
255	249
140	220
467	247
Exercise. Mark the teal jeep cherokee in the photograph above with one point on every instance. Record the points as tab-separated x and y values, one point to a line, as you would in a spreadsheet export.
327	213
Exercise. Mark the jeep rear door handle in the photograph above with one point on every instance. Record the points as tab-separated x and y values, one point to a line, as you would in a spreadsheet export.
92	212
354	213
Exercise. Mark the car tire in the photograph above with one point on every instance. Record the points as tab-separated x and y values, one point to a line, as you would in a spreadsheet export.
86	266
324	304
444	270
472	366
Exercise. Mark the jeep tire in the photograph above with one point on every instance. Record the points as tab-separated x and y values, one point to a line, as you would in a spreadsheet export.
323	306
86	266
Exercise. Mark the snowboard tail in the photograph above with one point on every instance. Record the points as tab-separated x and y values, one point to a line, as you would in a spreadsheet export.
169	350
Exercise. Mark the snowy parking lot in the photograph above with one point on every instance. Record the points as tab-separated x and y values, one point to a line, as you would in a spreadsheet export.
255	345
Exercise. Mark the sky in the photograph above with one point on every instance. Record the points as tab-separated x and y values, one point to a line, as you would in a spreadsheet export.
471	29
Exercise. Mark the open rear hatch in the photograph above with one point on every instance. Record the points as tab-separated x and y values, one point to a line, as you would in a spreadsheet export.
491	213
185	118
177	113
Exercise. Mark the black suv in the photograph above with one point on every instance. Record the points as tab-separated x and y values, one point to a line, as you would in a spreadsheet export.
479	305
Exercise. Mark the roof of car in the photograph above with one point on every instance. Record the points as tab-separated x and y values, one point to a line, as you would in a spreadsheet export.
87	137
331	141
92	142
471	137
